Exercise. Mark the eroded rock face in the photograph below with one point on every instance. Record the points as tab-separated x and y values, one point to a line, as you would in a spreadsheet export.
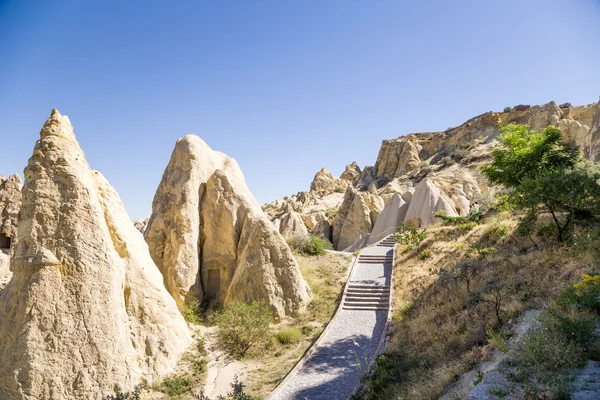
356	217
351	172
324	183
86	313
10	204
292	224
594	153
141	225
426	201
209	237
390	220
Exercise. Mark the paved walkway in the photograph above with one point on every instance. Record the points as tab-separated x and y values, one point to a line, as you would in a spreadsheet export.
332	368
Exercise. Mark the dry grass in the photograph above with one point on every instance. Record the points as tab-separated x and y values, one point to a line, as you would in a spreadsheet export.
438	332
326	276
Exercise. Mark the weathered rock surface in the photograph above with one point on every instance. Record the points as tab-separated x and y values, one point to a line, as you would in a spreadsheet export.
292	224
427	200
324	183
594	151
390	220
351	172
356	217
86	313
141	225
10	204
210	238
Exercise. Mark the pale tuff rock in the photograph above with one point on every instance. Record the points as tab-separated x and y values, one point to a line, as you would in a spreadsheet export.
10	204
356	217
574	132
292	224
397	158
351	172
141	225
324	183
390	220
86	313
594	153
210	238
427	200
322	227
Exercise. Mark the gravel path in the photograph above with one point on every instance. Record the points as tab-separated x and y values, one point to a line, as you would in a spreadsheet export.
331	370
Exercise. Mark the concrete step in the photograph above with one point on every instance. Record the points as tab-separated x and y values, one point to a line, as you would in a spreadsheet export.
366	308
364	286
356	299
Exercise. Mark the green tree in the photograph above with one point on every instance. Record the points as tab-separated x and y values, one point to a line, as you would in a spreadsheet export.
525	154
563	193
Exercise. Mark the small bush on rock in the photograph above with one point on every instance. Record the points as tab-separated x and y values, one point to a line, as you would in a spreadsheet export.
241	326
308	244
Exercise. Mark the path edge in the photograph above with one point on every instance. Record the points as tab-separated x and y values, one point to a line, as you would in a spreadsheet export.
313	347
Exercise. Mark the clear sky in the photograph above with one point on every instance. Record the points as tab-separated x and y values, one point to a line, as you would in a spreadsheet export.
284	86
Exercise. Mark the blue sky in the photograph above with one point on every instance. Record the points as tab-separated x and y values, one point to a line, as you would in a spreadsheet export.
284	86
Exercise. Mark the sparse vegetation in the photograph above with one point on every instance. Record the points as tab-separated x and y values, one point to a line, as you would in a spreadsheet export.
507	109
458	305
308	244
135	395
192	312
241	326
289	335
175	385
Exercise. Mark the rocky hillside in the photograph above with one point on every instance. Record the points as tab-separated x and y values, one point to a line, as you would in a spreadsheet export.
428	171
10	204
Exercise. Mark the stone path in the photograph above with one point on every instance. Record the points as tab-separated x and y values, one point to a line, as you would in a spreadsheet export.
332	368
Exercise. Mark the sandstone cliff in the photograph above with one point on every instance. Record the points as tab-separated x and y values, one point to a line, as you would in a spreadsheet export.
86	313
210	239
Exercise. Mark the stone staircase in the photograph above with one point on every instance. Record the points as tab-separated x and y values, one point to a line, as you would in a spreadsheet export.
366	297
389	241
375	259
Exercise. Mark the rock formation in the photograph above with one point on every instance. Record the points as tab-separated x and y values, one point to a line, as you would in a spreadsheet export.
351	172
141	225
210	238
356	217
390	220
86	313
291	224
427	200
324	183
10	204
450	160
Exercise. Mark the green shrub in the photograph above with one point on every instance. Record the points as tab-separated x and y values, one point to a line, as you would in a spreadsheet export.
507	109
497	340
494	233
458	221
241	326
330	213
547	349
192	312
424	255
308	244
288	335
175	385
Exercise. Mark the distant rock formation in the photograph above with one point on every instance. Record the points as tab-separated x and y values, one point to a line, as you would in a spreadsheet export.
390	220
324	183
291	224
86	313
210	238
356	217
426	201
10	204
351	172
450	160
